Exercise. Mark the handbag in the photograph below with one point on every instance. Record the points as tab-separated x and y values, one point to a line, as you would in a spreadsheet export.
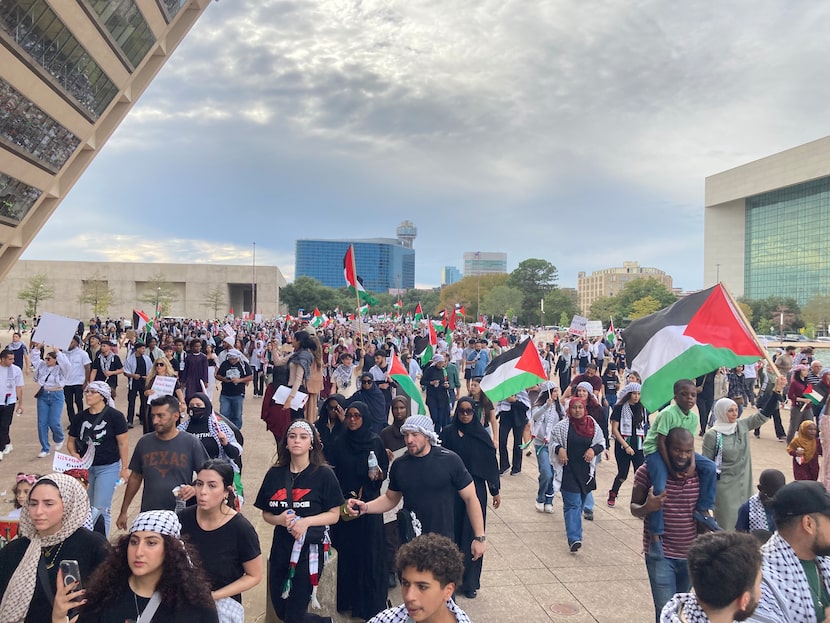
345	514
39	392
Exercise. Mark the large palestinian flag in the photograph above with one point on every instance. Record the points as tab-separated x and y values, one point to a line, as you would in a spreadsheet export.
406	386
687	339
512	371
353	280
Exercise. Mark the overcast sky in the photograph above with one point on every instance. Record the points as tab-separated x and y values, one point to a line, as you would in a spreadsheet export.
578	132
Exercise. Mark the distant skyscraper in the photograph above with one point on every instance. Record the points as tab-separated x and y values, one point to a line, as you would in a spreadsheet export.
483	263
383	263
609	281
69	74
450	275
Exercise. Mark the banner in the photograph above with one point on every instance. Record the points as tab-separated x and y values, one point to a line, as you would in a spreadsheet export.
578	325
593	328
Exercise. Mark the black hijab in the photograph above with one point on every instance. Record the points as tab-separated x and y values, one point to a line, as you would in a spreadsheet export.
476	448
363	438
473	428
374	400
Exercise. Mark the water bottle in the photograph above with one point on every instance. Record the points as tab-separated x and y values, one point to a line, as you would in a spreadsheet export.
374	470
180	503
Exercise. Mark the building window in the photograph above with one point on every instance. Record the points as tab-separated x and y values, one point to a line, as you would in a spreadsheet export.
16	199
23	123
50	44
127	26
172	7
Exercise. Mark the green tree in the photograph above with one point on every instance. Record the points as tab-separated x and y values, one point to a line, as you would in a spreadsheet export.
534	278
96	293
645	306
770	311
429	299
565	320
560	303
501	300
605	308
158	290
637	289
817	312
37	290
466	292
216	299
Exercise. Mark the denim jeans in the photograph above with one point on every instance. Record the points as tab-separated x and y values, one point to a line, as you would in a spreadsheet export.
231	408
102	479
658	474
667	576
545	493
49	409
572	502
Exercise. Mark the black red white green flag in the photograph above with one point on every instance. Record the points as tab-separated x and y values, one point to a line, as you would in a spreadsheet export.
406	386
692	337
353	280
512	371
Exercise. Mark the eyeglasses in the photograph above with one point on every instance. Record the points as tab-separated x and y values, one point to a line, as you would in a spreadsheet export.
354	416
465	411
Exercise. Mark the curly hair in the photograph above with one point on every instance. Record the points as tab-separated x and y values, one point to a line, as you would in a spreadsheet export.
434	553
181	584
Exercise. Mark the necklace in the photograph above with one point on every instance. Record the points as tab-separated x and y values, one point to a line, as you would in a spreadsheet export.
817	592
47	554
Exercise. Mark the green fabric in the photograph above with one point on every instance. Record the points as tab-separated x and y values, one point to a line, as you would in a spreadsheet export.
665	420
814	580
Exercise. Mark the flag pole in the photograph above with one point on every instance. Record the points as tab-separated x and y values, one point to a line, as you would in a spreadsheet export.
751	330
357	299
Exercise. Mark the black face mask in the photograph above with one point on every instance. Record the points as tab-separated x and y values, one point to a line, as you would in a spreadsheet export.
198	413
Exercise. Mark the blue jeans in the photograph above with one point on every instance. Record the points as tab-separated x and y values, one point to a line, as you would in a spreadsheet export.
49	409
545	493
231	408
667	576
102	479
572	502
658	474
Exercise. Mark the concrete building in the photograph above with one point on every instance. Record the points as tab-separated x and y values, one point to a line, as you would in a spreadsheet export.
484	263
609	281
129	282
450	275
70	71
766	225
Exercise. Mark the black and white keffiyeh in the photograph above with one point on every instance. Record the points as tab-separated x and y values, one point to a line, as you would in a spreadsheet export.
757	514
399	614
421	424
683	608
163	522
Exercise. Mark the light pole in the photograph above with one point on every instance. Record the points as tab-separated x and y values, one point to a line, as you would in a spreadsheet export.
158	294
253	285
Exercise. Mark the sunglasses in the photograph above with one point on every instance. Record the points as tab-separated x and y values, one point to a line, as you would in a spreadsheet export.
159	365
354	416
465	411
366	382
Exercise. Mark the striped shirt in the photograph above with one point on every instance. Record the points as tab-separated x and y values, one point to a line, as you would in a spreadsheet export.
680	528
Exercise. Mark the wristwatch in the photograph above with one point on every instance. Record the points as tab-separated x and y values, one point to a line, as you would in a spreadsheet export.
480	539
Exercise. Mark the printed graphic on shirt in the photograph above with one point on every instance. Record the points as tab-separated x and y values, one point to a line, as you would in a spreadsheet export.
278	500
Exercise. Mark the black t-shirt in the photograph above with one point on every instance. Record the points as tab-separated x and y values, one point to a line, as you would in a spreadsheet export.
88	548
230	371
429	485
224	550
314	491
103	436
98	367
611	382
200	428
123	608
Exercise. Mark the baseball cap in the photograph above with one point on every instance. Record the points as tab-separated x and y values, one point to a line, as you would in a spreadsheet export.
801	497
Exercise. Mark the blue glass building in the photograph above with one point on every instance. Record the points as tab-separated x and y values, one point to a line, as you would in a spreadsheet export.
382	263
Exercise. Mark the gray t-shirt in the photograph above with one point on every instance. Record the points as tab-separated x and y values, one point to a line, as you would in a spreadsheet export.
166	465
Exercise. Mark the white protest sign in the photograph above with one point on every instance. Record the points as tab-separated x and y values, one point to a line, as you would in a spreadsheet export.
63	462
54	330
282	393
162	386
578	325
228	329
593	328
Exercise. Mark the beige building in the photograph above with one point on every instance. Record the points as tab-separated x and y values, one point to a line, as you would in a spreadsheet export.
130	282
609	281
70	71
766	225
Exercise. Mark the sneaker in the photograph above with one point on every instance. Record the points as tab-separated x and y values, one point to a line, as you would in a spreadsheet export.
612	499
575	546
589	515
8	449
782	439
59	445
1	456
43	454
707	520
540	507
503	470
548	508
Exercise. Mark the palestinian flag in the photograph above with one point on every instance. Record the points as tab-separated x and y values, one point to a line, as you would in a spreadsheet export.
316	318
142	322
512	371
419	313
611	336
353	280
687	339
406	386
814	394
426	347
398	305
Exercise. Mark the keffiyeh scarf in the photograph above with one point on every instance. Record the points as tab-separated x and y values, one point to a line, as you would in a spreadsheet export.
313	566
215	425
757	514
683	608
784	575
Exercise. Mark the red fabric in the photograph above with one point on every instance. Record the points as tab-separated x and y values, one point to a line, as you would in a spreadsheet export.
584	426
276	417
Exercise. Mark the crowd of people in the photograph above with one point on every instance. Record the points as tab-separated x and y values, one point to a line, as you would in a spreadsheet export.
356	466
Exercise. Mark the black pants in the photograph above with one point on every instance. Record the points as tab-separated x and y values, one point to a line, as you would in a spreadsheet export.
73	395
624	464
6	416
259	381
704	409
136	391
510	421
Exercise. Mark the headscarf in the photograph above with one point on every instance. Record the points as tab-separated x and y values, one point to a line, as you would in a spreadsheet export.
584	426
375	401
323	412
408	405
362	439
162	522
589	388
544	392
215	426
305	426
100	387
21	587
473	428
722	423
421	424
801	441
629	388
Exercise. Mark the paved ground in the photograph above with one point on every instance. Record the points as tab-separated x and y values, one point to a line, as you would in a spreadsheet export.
529	574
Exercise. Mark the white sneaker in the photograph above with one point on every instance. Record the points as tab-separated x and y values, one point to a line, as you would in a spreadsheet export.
60	445
8	449
42	455
548	508
1	456
540	507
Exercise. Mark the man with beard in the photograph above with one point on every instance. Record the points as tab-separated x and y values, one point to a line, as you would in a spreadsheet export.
666	553
726	576
795	567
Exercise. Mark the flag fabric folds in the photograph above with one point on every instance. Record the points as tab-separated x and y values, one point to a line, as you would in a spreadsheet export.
687	339
353	280
512	371
406	386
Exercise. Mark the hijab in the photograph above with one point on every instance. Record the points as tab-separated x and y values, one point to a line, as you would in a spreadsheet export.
374	399
473	428
408	406
323	413
215	426
802	441
362	439
722	423
584	426
21	587
476	447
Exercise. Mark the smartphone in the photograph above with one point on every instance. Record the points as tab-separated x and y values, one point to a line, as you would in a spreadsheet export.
71	573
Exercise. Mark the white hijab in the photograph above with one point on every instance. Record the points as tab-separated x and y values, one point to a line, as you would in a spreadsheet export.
722	423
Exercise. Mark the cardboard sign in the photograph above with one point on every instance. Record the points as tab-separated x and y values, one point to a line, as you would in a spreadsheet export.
593	328
578	325
63	462
54	330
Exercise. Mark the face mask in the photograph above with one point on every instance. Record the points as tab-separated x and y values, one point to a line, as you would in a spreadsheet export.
198	412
